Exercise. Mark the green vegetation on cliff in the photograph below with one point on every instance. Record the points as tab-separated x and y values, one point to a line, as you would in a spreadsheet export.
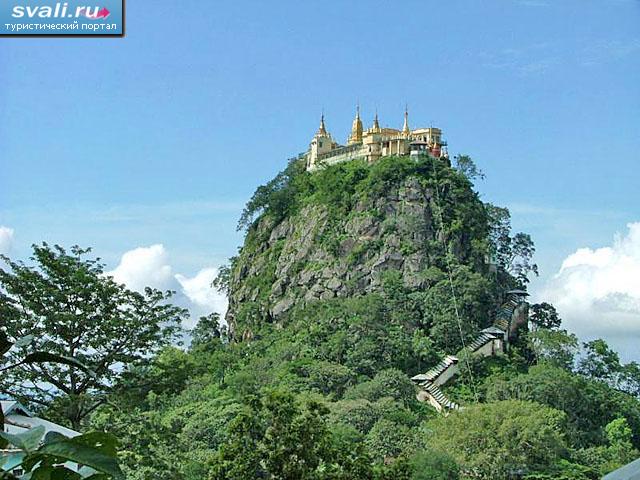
341	231
342	291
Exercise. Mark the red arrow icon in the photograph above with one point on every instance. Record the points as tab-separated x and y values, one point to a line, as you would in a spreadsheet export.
104	13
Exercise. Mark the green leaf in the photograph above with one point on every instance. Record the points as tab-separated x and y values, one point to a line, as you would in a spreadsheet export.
52	437
106	443
41	473
27	441
80	450
63	473
30	461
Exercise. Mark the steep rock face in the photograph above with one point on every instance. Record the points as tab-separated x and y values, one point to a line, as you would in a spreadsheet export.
312	255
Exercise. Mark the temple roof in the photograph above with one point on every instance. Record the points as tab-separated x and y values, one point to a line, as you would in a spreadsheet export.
631	471
18	419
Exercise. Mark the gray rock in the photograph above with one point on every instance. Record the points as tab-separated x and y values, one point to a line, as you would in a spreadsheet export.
282	306
334	284
398	235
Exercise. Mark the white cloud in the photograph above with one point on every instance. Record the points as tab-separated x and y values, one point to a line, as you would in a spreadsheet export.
150	267
6	239
597	291
199	291
144	267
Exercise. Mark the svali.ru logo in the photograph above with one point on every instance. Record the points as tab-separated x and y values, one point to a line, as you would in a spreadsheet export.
61	10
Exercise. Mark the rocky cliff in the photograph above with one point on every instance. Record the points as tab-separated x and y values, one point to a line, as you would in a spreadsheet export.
346	230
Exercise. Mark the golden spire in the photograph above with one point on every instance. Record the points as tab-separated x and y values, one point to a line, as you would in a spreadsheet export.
376	125
322	130
405	128
356	128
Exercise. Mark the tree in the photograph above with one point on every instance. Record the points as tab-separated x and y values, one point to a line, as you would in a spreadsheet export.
276	197
619	433
630	379
431	465
599	361
565	470
620	438
442	315
618	452
168	372
544	315
499	440
276	437
69	307
387	383
316	375
223	280
555	347
387	440
589	404
206	331
42	455
513	253
238	458
466	166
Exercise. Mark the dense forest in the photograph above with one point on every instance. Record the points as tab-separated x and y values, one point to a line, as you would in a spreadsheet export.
351	280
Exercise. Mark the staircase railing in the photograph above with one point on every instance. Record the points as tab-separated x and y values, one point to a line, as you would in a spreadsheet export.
498	334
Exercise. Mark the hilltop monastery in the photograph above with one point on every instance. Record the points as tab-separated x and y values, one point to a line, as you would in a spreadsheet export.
373	143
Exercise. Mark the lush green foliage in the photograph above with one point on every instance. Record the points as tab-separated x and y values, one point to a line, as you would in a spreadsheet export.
324	393
502	439
331	377
588	404
544	315
341	186
462	219
43	456
512	254
434	465
208	412
69	308
465	165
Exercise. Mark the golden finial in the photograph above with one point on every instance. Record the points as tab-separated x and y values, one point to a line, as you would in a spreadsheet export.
376	125
322	130
356	128
405	127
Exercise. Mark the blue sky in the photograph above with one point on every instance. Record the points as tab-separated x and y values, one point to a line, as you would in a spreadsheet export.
160	137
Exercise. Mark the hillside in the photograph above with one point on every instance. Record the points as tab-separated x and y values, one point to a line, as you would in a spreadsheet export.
340	231
352	280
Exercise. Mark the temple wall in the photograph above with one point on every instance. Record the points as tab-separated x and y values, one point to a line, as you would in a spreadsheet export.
341	157
447	375
490	349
